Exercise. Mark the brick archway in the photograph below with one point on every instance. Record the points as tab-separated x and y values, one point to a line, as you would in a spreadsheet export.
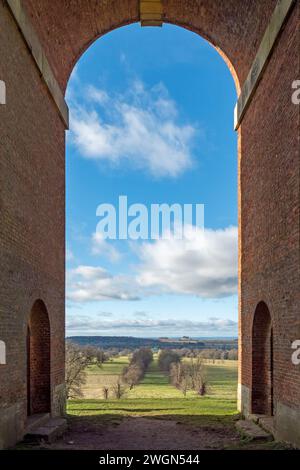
38	360
261	51
262	362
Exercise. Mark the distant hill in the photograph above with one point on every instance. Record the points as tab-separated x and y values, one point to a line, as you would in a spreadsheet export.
130	342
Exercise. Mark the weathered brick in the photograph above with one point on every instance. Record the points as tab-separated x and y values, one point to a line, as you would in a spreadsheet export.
32	182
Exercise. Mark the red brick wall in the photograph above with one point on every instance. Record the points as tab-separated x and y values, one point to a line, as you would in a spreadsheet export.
270	216
32	214
68	28
32	173
268	146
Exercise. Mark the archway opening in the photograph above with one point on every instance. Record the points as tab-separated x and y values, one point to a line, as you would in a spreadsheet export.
38	360
262	361
134	115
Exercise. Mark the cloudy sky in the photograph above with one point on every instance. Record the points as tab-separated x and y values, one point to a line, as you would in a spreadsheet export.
152	119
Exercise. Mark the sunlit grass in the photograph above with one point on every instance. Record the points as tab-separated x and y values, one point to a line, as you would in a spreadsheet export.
156	397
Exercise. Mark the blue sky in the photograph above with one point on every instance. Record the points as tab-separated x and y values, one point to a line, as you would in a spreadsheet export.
152	119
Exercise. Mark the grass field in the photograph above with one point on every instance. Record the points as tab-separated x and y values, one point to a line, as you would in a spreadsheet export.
155	415
155	397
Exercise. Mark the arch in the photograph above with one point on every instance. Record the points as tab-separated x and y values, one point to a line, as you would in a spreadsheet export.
266	149
185	26
262	361
224	24
38	360
196	31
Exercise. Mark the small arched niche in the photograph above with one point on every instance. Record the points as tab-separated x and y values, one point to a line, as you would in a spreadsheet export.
262	361
38	360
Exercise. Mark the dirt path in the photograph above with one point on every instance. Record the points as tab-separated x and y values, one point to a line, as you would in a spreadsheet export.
145	434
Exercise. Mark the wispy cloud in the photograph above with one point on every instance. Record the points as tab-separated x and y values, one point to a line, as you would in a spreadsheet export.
105	314
101	246
89	283
97	95
141	314
97	325
69	255
141	128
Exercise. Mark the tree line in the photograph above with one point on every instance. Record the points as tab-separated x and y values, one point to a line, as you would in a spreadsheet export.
184	375
138	365
79	358
207	353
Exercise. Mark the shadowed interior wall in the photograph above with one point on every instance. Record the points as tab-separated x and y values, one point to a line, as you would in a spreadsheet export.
32	235
38	360
262	361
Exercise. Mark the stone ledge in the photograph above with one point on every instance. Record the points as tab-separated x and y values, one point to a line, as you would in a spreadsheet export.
23	22
278	18
36	420
48	432
252	431
267	423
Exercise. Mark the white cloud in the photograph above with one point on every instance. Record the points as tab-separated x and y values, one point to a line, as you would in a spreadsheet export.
97	325
90	272
204	264
89	283
102	247
97	95
141	128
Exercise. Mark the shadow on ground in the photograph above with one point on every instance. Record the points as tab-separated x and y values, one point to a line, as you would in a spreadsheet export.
162	432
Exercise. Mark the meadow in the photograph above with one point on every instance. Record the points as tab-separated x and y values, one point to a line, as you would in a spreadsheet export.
155	397
155	415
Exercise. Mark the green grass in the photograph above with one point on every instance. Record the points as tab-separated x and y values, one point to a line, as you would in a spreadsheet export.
112	367
155	397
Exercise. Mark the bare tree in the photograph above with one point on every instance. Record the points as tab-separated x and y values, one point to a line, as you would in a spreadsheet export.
105	391
203	389
167	357
94	354
198	376
119	389
77	360
189	376
143	356
180	376
133	374
176	373
139	363
184	385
